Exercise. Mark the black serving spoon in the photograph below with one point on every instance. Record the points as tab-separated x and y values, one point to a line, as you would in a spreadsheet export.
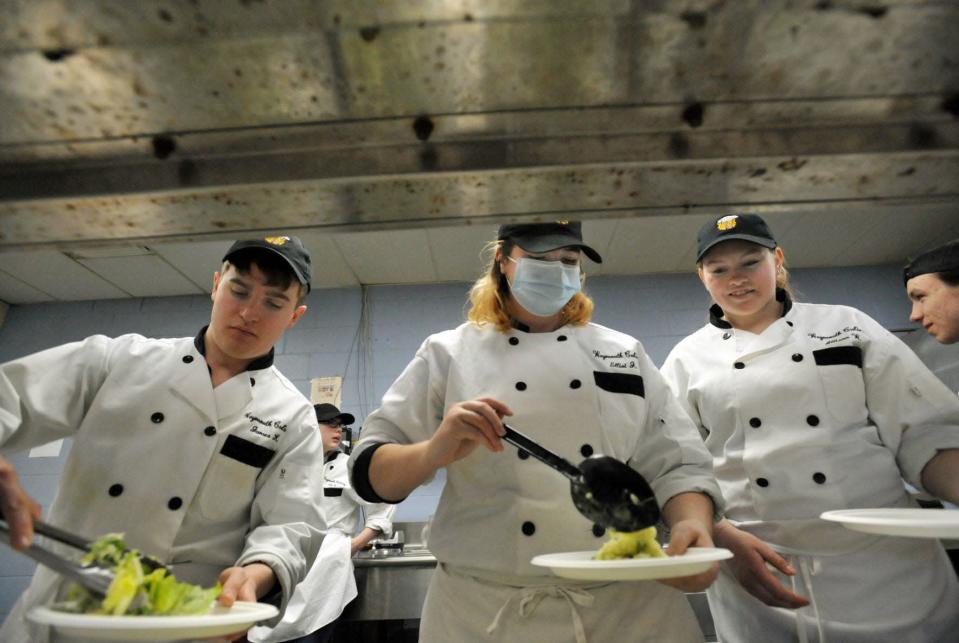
605	490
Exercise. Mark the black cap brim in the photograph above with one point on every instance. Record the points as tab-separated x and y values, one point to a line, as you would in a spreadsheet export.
762	241
256	244
545	243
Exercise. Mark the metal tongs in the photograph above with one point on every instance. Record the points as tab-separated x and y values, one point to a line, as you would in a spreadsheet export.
92	576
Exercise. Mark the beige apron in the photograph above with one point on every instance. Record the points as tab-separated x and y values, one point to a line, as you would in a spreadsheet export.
554	610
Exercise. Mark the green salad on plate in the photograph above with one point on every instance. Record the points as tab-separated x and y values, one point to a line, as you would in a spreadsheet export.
136	591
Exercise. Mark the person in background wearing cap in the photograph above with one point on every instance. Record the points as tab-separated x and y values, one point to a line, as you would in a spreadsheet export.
530	352
325	592
197	449
932	283
808	408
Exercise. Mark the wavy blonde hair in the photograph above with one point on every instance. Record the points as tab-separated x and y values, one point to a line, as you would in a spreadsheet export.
489	294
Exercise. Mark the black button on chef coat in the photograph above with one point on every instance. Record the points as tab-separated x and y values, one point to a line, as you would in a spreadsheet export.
187	359
739	365
115	490
210	430
727	335
513	341
755	423
252	382
575	384
762	482
812	420
561	338
520	386
819	478
797	357
175	503
157	417
586	450
529	528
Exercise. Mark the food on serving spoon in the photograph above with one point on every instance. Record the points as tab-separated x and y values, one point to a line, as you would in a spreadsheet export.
631	544
134	591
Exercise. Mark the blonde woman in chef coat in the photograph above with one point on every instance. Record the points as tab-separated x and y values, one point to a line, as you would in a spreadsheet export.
530	353
808	408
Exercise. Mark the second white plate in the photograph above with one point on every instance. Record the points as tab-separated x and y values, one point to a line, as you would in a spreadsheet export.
914	523
581	566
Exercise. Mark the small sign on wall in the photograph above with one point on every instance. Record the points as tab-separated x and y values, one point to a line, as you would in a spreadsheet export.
326	390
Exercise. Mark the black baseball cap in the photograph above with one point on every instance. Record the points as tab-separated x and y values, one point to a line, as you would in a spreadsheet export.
543	237
327	412
944	258
291	249
748	227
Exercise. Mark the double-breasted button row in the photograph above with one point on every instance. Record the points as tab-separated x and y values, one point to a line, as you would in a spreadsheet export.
188	359
573	384
514	341
811	420
818	478
173	504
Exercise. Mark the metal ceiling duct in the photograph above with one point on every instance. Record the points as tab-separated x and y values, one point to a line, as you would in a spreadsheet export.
164	119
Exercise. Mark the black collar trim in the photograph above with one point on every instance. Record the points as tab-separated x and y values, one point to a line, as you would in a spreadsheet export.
258	364
716	313
331	456
518	325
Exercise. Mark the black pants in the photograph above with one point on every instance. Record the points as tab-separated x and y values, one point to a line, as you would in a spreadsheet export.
322	635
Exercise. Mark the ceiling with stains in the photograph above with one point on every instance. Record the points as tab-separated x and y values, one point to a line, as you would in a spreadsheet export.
138	138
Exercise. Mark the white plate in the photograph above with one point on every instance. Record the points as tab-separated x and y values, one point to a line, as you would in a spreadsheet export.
581	566
220	621
917	523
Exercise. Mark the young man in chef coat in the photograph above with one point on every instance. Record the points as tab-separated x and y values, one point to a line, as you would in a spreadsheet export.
932	283
350	523
197	448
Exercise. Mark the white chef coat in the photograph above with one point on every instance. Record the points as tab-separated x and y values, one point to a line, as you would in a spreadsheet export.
823	410
200	477
330	585
578	390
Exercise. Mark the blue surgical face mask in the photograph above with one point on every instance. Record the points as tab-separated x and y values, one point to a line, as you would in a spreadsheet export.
544	287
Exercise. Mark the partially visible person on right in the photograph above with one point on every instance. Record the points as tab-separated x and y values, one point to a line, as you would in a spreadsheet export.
932	283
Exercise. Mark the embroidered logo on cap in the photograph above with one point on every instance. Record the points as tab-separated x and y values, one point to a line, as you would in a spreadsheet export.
276	241
727	223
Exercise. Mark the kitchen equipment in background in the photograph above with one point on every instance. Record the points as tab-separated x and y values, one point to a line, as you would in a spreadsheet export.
605	490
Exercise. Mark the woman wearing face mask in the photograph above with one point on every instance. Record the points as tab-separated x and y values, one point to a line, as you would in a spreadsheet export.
529	352
808	408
